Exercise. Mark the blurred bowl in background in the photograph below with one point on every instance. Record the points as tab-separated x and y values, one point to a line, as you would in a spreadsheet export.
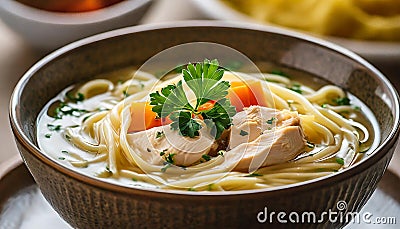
48	30
374	51
68	5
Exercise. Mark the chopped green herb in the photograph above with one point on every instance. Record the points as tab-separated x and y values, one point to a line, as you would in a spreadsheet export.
342	101
61	158
68	137
340	160
79	97
254	175
271	120
221	153
52	127
243	133
170	158
204	79
164	169
357	108
162	153
58	113
86	117
210	187
191	189
103	109
134	179
47	135
125	93
64	151
108	170
324	105
160	134
138	185
296	88
64	109
206	157
272	81
73	126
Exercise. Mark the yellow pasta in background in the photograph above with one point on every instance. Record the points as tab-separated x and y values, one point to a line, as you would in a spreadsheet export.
358	19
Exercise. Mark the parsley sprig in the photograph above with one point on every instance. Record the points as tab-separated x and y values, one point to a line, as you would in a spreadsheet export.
204	79
342	101
78	98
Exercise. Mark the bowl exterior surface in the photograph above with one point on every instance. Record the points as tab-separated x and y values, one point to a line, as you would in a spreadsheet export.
86	206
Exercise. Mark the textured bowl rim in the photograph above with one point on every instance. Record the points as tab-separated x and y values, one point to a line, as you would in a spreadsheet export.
73	18
302	186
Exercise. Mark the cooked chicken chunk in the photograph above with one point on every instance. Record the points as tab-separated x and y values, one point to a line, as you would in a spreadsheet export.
270	148
184	151
259	136
254	120
265	136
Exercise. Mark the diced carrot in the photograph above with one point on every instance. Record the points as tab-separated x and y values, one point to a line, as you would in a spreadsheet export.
243	94
151	117
143	117
207	105
238	97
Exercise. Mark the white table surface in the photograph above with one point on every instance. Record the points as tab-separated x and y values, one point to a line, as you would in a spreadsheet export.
16	57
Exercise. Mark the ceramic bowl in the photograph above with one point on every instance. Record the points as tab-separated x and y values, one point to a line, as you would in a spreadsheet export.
48	30
85	202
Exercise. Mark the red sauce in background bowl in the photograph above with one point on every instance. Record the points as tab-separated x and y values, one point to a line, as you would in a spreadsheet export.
69	6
